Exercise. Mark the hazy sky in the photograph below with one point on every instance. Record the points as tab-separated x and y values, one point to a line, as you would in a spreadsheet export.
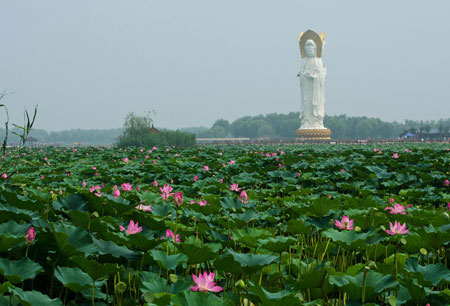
87	63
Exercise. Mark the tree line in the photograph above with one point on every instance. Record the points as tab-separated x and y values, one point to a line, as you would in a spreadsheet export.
271	126
283	126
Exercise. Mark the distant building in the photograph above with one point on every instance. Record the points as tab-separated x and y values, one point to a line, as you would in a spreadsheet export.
222	140
154	130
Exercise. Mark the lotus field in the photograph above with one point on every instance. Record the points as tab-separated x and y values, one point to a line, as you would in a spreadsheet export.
233	225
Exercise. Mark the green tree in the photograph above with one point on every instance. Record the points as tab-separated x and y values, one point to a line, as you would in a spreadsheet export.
138	131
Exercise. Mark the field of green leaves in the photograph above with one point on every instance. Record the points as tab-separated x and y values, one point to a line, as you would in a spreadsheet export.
234	225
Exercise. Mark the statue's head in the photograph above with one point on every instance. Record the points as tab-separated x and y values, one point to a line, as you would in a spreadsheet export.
310	48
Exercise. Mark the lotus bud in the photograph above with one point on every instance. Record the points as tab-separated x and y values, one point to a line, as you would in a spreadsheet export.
31	235
240	283
121	287
178	198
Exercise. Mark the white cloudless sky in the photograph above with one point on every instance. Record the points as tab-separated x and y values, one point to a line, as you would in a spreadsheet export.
87	63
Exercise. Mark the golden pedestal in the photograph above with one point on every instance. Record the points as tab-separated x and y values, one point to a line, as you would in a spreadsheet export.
313	134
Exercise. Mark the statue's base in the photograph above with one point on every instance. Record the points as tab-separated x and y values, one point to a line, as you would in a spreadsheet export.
312	134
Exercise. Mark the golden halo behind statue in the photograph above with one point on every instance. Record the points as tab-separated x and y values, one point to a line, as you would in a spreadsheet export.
316	38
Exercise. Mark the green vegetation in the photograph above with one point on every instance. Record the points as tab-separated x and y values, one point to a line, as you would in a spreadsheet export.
272	126
288	225
283	126
139	131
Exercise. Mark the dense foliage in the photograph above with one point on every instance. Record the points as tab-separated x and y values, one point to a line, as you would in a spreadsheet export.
342	127
139	131
294	225
273	126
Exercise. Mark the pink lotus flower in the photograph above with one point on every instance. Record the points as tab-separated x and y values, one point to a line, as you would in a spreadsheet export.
31	235
221	181
94	188
178	198
171	234
448	206
4	176
126	187
206	168
395	155
243	197
195	178
166	192
391	200
235	187
155	183
132	228
397	228
205	283
345	223
144	207
446	183
116	193
83	184
231	162
202	203
397	209
126	160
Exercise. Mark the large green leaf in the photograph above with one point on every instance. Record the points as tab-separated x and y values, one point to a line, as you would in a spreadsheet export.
280	298
95	269
428	275
160	285
376	283
7	242
227	263
190	298
72	202
379	172
168	262
15	229
13	213
196	254
17	271
250	236
34	298
277	244
73	278
253	262
111	248
346	237
68	236
322	207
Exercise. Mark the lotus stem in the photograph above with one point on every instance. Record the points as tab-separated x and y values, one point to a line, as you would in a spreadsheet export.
93	287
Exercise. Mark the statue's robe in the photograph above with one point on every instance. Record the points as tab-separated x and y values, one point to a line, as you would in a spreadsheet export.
312	83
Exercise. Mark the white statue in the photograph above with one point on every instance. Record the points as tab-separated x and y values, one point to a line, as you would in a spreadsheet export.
312	81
